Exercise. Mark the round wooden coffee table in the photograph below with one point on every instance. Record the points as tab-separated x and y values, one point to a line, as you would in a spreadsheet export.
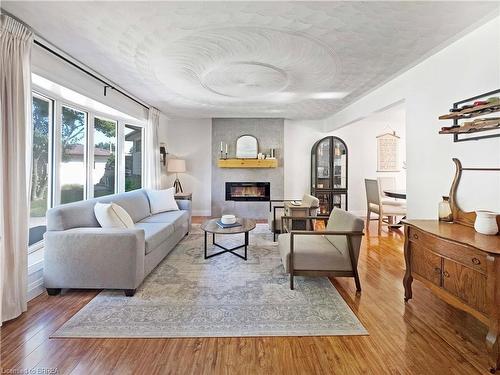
210	226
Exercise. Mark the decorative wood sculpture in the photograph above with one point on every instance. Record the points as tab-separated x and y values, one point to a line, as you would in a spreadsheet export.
460	216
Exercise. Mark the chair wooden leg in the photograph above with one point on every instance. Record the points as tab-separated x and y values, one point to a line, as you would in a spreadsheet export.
356	280
291	280
368	214
379	224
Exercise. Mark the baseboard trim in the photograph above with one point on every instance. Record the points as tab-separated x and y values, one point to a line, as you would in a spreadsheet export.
35	273
35	288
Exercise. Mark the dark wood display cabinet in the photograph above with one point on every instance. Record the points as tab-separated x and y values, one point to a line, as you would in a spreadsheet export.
329	174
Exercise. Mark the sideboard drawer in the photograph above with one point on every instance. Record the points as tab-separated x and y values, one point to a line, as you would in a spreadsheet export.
465	255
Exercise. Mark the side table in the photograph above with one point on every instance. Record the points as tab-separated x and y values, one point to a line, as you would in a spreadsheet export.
184	196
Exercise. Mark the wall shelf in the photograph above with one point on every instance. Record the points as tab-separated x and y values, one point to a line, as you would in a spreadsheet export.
247	163
472	112
469	128
477	126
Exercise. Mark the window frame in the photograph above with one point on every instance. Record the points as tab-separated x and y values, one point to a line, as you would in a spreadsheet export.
50	158
143	158
55	148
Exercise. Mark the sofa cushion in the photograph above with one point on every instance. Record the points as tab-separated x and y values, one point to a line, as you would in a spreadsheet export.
313	252
155	234
72	215
343	221
162	200
177	218
111	215
135	202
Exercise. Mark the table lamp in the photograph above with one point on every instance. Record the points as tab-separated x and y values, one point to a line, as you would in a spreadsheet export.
177	166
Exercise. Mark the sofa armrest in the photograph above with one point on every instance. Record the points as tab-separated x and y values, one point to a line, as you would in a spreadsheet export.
94	258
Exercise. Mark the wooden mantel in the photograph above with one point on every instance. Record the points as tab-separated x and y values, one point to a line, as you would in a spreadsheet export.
247	163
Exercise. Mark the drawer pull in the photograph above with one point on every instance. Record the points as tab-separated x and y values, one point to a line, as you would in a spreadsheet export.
446	274
476	261
415	236
437	270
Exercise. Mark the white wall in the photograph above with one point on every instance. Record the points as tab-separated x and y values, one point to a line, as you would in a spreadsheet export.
468	67
190	139
361	141
56	70
299	137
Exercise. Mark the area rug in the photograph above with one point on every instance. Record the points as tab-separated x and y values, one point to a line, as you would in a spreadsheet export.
224	296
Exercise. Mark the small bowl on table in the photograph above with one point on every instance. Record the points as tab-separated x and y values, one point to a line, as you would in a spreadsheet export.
228	219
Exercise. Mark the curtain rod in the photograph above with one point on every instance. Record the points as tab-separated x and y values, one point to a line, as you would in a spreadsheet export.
106	84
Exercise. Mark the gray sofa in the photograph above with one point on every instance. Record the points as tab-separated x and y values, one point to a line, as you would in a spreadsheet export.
81	254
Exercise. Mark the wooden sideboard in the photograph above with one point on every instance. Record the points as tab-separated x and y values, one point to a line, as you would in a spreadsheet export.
461	267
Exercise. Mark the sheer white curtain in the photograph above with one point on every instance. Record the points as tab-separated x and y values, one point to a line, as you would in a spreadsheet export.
15	164
153	168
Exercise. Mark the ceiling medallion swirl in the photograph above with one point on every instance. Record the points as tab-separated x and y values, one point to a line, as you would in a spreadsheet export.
244	79
249	66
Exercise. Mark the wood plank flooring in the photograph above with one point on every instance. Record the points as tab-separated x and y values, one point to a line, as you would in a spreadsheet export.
425	336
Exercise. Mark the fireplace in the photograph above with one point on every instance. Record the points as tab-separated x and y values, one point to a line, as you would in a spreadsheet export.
248	191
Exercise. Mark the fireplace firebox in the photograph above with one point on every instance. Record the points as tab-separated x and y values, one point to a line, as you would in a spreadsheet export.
248	191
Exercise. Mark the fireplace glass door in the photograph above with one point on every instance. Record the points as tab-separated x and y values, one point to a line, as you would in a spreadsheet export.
247	191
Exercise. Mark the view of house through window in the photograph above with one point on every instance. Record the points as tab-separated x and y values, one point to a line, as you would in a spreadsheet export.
104	170
40	173
72	174
133	157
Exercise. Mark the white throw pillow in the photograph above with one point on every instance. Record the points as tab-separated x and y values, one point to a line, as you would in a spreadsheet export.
111	215
162	200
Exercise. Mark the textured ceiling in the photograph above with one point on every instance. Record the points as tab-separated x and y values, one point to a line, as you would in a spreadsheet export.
298	60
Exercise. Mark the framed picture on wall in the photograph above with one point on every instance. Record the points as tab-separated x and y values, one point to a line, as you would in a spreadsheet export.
388	153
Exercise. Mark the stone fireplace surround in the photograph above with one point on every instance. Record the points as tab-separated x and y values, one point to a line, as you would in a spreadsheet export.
269	133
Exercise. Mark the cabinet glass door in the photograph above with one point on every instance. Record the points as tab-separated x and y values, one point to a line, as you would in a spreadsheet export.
323	152
339	200
339	164
325	199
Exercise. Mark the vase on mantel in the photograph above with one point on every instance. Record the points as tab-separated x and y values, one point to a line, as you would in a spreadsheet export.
486	222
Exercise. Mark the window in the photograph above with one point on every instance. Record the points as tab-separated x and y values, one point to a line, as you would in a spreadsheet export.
72	173
80	150
133	157
40	169
104	168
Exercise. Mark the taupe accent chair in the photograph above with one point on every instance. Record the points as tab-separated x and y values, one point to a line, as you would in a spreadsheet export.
309	207
333	252
386	210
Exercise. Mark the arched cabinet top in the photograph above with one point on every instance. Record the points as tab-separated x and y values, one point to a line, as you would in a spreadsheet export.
329	167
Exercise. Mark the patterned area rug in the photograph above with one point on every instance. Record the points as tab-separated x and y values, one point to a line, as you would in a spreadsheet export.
224	296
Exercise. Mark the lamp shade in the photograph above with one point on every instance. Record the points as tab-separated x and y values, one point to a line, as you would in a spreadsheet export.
176	166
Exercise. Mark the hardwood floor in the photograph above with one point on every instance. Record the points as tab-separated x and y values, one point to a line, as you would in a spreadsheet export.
425	336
